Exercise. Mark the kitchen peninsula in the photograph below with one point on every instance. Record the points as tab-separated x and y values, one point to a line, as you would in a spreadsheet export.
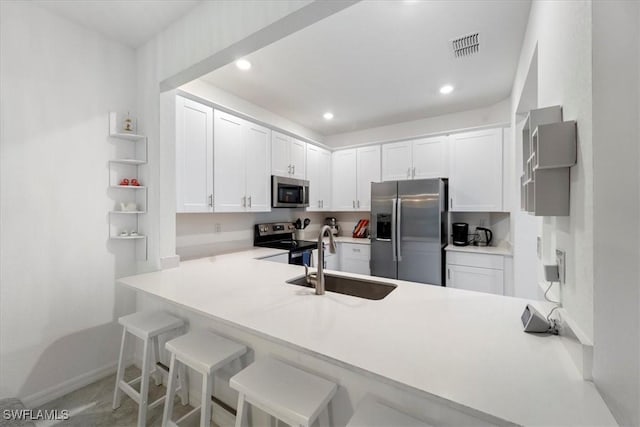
457	356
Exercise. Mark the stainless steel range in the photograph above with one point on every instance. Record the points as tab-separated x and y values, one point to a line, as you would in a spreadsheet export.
280	235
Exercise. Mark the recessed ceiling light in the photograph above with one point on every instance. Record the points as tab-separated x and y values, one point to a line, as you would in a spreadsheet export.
446	89
328	115
243	64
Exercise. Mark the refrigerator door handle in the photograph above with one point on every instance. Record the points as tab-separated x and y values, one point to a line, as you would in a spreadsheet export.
399	230
377	239
393	229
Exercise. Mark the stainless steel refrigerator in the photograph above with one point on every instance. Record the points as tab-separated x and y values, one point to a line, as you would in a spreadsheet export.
409	230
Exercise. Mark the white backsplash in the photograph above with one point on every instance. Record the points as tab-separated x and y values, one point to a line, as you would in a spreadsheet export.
497	222
206	234
202	235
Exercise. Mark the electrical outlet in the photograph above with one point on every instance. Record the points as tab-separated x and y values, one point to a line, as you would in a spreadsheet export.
218	227
539	247
562	266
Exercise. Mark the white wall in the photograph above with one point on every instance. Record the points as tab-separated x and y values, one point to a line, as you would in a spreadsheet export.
562	33
497	114
581	67
58	299
213	26
221	97
616	137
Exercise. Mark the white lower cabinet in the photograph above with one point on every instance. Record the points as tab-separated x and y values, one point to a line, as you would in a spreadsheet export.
349	257
354	258
331	261
475	272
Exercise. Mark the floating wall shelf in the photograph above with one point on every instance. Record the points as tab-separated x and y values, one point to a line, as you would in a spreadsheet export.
132	152
549	149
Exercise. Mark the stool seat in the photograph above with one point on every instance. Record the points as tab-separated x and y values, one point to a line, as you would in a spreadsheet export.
375	414
292	395
149	324
204	352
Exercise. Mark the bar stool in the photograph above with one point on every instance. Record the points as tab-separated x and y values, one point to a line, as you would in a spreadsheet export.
284	392
146	326
371	413
205	353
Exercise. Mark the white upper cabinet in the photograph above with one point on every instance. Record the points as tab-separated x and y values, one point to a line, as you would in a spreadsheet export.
319	176
475	180
417	159
194	156
287	156
343	164
297	156
396	161
258	187
241	165
430	158
280	164
368	171
229	163
353	172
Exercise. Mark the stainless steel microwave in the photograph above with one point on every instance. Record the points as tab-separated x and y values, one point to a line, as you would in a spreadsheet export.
289	192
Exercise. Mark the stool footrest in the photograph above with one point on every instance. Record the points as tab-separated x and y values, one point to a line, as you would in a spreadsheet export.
134	381
157	402
163	368
130	391
187	415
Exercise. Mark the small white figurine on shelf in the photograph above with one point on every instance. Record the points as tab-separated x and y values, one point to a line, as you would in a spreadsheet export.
128	124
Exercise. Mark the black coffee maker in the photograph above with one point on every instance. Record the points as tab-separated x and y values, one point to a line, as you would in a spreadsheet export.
460	233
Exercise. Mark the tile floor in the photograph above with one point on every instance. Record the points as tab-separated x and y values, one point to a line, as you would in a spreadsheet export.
90	406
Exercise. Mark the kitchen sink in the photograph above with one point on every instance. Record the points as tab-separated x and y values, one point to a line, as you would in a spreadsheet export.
349	286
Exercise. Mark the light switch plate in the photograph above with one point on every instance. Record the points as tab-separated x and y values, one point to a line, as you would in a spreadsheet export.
561	263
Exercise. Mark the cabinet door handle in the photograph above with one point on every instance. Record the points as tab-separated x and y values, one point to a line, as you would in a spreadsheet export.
451	203
413	172
448	274
294	169
211	200
358	203
244	202
408	172
289	169
249	201
353	203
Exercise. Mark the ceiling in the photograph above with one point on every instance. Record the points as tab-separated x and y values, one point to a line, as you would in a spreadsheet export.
383	62
131	22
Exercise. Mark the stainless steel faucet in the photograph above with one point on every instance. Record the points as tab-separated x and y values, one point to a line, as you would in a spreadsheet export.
318	280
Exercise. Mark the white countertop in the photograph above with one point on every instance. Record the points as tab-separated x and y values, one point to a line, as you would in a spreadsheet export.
462	346
345	239
502	249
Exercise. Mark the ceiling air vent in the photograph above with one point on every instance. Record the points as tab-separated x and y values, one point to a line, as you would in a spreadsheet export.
465	45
